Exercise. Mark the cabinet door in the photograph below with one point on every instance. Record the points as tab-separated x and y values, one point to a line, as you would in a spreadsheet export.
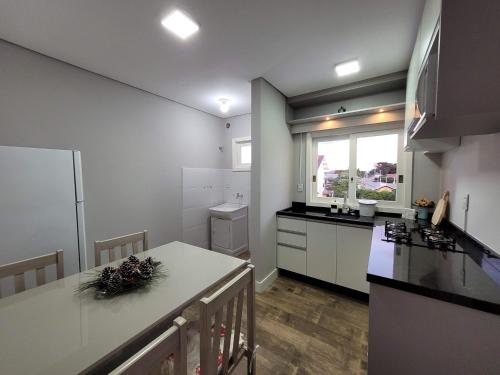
321	251
221	233
353	251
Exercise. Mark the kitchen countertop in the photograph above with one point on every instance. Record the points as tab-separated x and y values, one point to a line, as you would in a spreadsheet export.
469	278
323	214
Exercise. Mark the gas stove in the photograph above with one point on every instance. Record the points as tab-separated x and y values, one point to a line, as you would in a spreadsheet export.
398	233
430	237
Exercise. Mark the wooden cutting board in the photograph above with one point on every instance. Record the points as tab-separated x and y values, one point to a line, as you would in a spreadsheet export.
440	210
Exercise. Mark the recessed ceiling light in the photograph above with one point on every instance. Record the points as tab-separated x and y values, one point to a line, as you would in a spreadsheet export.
347	67
224	105
180	24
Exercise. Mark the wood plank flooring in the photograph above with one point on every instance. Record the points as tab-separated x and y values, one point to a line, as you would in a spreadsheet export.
304	329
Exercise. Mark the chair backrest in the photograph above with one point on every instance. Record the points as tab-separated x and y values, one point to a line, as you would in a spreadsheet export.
153	356
37	264
225	299
123	241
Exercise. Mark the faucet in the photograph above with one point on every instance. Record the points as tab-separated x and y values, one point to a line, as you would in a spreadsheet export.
345	206
239	196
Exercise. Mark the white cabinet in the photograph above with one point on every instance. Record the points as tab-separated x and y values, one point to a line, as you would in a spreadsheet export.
291	259
230	236
353	251
291	246
331	252
463	86
322	251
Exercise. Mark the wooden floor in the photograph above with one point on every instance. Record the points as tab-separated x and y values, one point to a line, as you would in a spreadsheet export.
304	329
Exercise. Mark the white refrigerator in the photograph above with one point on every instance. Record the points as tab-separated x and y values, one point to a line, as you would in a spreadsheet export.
42	205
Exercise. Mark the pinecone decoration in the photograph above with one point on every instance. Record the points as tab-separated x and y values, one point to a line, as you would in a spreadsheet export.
134	260
145	270
149	261
127	270
114	283
106	274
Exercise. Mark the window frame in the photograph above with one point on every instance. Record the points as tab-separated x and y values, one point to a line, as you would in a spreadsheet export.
404	167
237	144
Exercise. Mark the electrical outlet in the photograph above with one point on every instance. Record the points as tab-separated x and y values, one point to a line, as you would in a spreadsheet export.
465	202
300	187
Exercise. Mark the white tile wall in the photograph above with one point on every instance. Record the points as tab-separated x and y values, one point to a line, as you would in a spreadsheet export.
236	182
203	188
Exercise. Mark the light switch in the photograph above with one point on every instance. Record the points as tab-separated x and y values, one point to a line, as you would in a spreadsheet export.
300	187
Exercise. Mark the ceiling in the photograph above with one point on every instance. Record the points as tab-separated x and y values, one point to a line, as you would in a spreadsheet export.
294	44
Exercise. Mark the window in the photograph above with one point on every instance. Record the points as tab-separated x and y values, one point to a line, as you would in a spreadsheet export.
360	165
242	154
376	167
332	173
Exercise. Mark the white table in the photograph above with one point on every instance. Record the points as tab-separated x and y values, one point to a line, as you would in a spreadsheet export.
53	330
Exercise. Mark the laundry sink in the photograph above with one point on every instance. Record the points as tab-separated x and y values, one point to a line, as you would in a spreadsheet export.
228	211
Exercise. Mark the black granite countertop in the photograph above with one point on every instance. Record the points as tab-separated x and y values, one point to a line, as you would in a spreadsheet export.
323	214
468	277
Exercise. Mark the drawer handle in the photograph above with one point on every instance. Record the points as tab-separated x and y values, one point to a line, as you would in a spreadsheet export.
292	246
291	232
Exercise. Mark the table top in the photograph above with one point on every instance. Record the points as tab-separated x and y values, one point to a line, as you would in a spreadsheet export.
52	329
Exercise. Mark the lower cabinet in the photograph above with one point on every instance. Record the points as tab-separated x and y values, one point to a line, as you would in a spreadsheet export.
291	259
335	253
353	251
322	251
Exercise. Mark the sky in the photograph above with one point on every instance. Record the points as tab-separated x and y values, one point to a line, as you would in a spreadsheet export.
370	150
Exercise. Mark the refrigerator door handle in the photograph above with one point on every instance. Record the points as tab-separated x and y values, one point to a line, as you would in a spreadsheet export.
77	163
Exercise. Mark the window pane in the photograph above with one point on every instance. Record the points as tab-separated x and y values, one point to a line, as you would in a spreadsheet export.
246	154
332	174
377	167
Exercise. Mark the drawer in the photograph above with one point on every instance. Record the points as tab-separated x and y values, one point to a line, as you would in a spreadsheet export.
292	225
291	259
293	239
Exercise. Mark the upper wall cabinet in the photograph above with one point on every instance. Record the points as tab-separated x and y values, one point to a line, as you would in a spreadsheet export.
453	83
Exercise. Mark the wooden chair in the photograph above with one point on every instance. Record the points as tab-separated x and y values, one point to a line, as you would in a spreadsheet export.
37	264
226	298
123	242
152	358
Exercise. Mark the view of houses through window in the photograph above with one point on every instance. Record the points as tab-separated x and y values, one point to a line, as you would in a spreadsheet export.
376	167
374	163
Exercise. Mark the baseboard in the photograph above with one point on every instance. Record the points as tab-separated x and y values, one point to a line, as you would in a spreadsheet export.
266	282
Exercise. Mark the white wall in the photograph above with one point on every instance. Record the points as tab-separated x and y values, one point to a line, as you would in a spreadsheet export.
272	173
133	144
426	176
240	126
238	182
474	168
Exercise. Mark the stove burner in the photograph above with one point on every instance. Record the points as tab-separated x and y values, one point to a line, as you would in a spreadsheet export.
397	232
437	239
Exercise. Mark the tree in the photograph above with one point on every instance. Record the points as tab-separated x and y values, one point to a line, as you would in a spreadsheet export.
385	168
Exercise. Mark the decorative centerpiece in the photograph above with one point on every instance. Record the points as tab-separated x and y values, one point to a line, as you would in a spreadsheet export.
423	205
130	275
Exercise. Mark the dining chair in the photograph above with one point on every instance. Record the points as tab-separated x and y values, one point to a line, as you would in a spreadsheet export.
168	348
38	264
123	242
222	345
